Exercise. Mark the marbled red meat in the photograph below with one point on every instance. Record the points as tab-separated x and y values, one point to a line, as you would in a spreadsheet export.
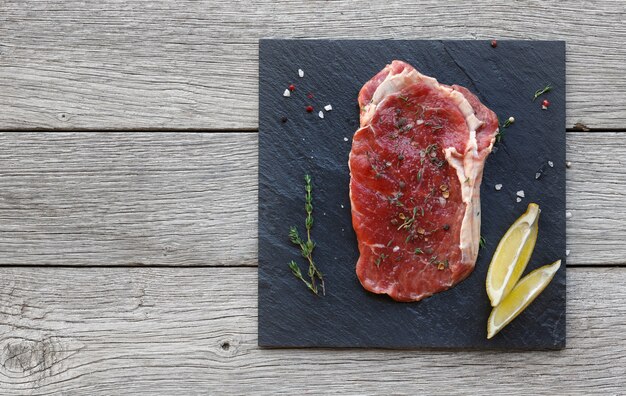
416	165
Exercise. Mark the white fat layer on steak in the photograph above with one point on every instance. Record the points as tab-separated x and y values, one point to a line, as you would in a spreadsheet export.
468	165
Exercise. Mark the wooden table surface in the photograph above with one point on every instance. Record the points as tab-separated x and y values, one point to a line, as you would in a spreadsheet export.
128	199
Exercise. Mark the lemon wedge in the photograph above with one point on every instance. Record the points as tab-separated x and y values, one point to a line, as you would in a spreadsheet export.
520	297
512	255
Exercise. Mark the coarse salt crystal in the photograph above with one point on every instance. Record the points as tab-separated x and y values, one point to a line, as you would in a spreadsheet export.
498	187
551	164
396	248
321	114
345	139
287	93
301	72
419	122
328	107
342	206
567	252
537	175
520	193
568	164
519	199
568	215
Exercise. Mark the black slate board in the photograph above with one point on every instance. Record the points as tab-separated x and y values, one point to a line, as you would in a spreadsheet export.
505	79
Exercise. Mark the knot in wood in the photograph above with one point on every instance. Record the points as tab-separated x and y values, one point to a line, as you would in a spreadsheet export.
26	357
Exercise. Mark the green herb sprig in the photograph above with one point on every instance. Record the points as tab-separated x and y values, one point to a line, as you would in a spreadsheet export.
306	247
408	221
541	91
502	128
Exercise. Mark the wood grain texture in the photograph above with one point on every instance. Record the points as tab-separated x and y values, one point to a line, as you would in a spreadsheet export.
114	64
190	199
193	331
595	186
128	199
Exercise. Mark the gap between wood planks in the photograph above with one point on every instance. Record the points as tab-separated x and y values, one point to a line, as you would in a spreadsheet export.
157	266
227	130
142	130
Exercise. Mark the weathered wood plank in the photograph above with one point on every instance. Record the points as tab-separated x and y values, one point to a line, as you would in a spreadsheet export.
128	199
191	199
113	64
595	187
173	330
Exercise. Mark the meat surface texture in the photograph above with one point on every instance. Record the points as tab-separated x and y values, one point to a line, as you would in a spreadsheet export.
415	170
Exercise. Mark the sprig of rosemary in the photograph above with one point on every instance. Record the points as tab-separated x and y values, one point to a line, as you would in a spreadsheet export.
541	91
307	247
509	121
482	242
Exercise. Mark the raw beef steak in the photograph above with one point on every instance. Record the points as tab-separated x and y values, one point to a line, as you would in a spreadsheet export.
415	170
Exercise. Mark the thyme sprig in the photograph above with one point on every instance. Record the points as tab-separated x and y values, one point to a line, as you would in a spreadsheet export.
380	259
541	91
431	148
408	221
306	247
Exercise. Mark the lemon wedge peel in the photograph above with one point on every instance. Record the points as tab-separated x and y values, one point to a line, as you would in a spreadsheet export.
512	255
520	297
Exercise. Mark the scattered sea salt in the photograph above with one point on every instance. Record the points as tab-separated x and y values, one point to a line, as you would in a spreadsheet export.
568	164
396	248
301	72
287	93
342	206
551	164
520	193
321	114
345	139
388	163
419	122
498	187
567	252
328	107
568	215
537	175
519	199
